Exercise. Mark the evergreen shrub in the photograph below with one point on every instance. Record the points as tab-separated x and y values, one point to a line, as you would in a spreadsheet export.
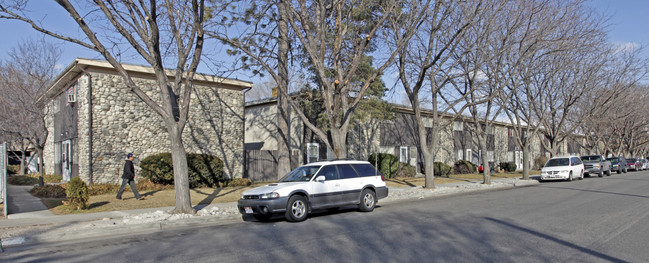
406	170
464	167
387	164
77	193
203	169
442	169
508	166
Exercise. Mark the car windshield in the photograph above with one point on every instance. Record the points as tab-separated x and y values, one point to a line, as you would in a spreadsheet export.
591	158
301	174
558	162
632	160
613	160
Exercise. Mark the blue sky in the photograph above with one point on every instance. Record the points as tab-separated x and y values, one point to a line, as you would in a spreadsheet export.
629	24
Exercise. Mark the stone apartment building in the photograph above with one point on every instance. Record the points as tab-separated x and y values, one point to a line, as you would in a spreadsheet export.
396	137
94	121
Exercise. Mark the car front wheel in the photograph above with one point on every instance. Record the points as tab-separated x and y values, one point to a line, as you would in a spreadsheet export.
296	209
570	176
368	201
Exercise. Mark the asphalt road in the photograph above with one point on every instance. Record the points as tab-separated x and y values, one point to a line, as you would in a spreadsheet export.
594	220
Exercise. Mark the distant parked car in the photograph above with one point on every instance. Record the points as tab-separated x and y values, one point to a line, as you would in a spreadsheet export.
645	164
634	164
563	168
596	164
619	164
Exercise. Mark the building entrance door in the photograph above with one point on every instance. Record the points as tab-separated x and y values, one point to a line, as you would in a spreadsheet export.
66	165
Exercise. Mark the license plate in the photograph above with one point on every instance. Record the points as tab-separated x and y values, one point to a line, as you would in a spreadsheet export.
248	210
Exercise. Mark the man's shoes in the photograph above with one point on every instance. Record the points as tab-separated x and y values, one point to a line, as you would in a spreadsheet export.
141	198
118	198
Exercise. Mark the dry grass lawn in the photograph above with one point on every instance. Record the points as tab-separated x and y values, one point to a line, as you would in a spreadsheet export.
456	178
152	199
206	196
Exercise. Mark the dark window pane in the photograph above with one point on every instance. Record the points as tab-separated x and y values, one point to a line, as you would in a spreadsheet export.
346	171
329	172
366	169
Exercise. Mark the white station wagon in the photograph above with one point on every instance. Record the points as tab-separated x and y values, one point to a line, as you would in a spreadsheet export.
321	185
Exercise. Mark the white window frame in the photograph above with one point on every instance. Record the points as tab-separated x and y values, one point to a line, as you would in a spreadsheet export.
403	154
309	146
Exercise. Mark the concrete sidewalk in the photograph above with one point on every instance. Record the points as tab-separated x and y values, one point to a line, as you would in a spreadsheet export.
21	202
34	226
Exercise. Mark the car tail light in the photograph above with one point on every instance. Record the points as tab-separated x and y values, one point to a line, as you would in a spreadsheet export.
382	178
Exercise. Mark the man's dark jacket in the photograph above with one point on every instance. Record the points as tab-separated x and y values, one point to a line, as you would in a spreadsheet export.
129	170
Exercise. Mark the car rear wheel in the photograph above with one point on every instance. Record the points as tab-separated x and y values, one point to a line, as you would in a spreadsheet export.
296	209
581	177
608	173
368	201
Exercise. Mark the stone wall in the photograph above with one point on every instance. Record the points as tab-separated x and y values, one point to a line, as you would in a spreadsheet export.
122	123
48	152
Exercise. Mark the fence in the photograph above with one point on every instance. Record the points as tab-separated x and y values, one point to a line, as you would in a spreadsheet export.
261	165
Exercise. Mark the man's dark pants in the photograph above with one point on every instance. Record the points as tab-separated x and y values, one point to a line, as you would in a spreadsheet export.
130	182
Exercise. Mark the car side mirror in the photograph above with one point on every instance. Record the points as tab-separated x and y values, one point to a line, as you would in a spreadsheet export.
320	178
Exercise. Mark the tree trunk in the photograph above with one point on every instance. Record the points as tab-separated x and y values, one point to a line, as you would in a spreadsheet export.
283	115
181	176
486	173
339	140
526	165
41	167
429	159
429	168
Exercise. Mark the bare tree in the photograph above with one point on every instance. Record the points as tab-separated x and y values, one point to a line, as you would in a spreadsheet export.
259	33
550	32
604	106
166	34
429	60
24	77
335	38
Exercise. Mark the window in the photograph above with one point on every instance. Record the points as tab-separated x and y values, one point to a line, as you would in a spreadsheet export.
457	126
346	171
329	172
312	152
366	169
71	93
403	154
510	132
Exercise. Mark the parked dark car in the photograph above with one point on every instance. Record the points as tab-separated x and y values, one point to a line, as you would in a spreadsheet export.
618	164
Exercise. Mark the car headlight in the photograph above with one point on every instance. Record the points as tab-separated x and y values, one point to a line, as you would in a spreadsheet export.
596	166
272	195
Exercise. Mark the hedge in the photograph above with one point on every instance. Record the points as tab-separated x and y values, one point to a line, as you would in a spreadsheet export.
508	166
464	167
203	169
442	169
406	170
387	164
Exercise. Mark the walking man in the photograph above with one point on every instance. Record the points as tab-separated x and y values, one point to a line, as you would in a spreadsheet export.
128	177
